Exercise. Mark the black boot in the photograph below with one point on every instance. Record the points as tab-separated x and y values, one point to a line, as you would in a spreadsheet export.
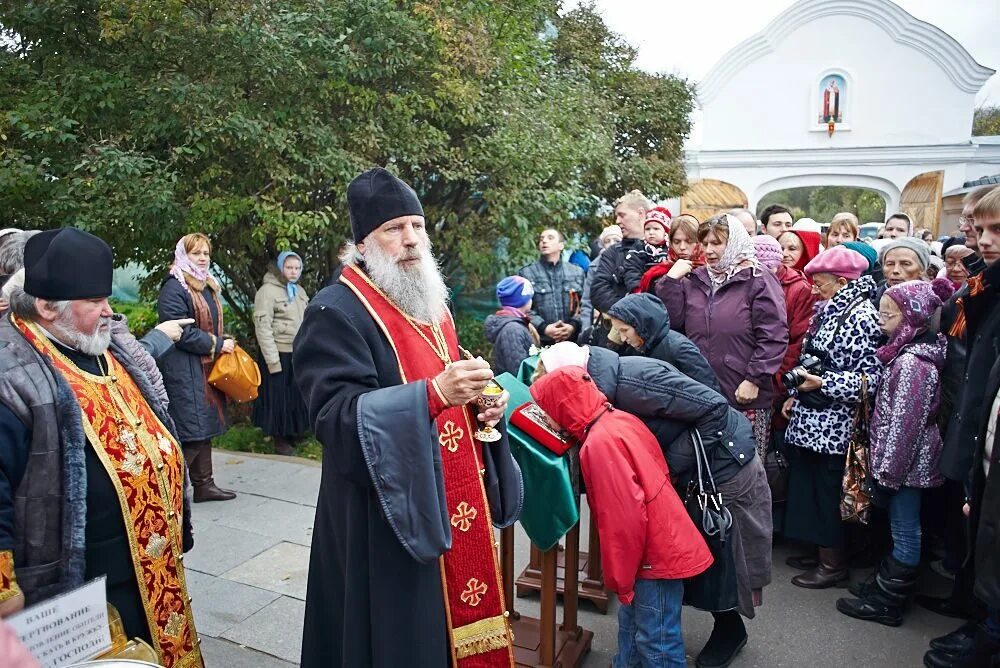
729	636
864	587
830	572
982	654
199	458
959	641
884	604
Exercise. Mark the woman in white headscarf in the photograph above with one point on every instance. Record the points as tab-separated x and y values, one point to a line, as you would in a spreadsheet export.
734	311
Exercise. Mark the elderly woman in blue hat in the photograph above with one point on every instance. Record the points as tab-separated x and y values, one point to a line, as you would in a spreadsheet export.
278	309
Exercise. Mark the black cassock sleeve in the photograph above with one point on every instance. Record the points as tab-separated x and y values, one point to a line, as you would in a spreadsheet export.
14	441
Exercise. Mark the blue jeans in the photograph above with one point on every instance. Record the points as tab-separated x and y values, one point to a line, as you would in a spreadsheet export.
904	522
649	630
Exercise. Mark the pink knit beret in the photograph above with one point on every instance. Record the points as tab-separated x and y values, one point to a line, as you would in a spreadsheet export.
839	262
768	251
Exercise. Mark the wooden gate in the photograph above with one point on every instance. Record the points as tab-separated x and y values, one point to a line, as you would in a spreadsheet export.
921	200
707	197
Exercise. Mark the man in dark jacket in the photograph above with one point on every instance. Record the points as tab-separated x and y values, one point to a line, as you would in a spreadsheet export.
973	646
608	285
558	290
957	452
510	329
643	323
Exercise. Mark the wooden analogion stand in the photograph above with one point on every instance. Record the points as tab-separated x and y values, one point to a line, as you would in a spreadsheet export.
588	573
537	642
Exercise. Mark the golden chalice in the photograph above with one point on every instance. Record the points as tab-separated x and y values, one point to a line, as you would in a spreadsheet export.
486	400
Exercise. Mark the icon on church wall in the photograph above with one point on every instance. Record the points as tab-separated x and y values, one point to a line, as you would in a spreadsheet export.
831	106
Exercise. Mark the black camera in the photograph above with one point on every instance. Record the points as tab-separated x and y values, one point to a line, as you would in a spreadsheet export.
810	364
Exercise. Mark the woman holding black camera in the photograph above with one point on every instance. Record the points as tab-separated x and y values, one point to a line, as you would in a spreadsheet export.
837	353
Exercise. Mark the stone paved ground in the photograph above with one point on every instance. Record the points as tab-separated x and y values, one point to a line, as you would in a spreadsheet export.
247	575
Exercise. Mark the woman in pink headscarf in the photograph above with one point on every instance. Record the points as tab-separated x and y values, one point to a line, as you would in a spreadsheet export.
197	408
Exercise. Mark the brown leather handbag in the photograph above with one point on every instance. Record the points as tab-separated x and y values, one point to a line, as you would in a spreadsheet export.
855	501
236	375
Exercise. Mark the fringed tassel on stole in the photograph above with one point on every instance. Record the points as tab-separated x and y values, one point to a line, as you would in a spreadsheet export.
480	637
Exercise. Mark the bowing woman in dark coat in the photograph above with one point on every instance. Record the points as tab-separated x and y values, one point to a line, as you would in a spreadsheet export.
198	409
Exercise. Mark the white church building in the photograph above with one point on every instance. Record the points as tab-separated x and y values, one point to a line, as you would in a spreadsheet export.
843	93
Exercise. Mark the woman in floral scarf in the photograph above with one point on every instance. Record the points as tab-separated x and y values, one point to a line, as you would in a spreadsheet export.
198	409
734	311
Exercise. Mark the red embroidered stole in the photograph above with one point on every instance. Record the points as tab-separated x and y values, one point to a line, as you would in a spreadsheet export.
470	573
146	466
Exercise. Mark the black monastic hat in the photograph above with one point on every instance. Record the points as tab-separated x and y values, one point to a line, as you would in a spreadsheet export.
67	264
377	196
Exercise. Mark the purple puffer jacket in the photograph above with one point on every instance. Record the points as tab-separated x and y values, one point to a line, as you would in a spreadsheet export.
905	439
741	330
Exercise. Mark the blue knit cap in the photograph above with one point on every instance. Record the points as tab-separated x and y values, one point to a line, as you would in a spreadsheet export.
514	291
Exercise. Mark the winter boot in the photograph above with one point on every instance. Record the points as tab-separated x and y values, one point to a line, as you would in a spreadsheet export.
283	447
959	641
729	636
830	572
982	654
864	587
199	460
885	602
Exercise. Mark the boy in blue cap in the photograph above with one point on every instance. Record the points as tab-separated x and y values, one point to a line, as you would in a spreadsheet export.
510	329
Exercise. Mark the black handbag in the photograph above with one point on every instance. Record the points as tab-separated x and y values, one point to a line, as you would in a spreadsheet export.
776	466
716	589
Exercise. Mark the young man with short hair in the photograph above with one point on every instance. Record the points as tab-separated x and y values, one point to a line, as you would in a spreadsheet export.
776	220
558	290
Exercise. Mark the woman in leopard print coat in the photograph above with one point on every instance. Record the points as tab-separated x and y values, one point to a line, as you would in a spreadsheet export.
845	333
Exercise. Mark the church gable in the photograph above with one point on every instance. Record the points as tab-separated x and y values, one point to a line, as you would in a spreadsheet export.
841	73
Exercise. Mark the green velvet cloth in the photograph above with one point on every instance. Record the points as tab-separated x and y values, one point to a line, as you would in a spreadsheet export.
527	370
550	508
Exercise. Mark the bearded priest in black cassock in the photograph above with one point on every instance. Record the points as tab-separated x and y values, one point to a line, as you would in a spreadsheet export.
404	568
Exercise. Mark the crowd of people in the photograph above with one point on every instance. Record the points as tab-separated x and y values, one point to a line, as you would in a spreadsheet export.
719	376
786	347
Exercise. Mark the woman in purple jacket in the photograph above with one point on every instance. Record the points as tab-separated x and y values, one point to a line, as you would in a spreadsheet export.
905	440
734	311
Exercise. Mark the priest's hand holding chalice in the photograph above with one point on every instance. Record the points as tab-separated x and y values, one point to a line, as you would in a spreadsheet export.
471	380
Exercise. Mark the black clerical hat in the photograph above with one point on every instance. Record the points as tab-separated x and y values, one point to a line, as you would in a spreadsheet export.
67	264
377	196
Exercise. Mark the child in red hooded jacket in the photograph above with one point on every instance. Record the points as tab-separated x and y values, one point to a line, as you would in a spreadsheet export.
648	541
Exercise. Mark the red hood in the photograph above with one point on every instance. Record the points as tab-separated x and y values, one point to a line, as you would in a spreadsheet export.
571	398
810	242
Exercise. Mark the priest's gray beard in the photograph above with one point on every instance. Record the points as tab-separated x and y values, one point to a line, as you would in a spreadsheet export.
418	290
89	344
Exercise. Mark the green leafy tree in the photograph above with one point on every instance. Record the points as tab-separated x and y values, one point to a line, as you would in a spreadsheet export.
986	121
821	203
246	119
